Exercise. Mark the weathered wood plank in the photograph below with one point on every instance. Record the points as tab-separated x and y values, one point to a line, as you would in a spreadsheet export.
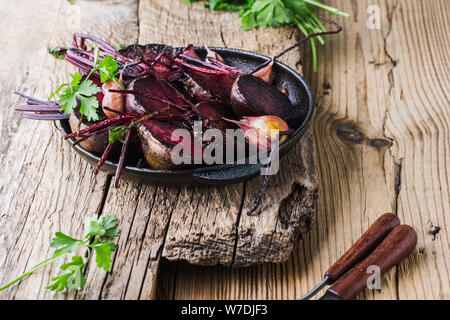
381	136
381	133
45	186
418	120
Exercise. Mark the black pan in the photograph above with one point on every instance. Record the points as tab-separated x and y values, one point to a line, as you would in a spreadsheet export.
299	93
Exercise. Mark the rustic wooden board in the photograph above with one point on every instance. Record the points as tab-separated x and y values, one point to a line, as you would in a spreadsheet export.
381	135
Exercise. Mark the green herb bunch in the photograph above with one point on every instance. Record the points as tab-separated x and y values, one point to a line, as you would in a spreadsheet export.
85	91
276	13
98	233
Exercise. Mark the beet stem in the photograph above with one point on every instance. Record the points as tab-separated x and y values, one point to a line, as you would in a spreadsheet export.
90	134
34	100
99	41
314	35
104	157
38	108
261	194
122	159
118	112
201	63
45	116
99	125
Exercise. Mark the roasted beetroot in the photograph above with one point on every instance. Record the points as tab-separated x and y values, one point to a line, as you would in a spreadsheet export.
150	94
217	80
252	96
95	143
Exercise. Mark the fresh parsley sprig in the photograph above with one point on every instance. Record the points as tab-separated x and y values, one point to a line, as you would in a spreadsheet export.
98	231
85	91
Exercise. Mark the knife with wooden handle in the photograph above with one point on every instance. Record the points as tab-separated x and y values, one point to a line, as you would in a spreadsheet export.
398	244
362	248
368	241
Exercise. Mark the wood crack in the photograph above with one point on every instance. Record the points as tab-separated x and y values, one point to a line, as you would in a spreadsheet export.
392	61
104	194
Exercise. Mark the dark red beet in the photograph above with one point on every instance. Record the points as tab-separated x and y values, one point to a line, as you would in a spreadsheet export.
211	116
150	96
161	131
252	96
195	91
216	80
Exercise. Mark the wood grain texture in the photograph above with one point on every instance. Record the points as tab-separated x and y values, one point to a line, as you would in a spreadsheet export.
418	120
381	133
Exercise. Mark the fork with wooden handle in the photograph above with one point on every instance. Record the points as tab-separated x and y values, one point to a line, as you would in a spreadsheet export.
384	244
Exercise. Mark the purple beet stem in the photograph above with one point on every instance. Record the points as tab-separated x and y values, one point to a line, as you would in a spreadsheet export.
261	194
38	108
99	125
45	116
122	158
90	134
295	45
104	157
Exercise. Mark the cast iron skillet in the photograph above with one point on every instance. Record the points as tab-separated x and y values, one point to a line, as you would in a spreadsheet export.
299	93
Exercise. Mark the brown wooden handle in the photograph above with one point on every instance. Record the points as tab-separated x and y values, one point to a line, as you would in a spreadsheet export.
363	247
394	248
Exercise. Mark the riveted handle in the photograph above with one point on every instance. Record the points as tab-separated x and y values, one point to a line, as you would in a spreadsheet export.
363	247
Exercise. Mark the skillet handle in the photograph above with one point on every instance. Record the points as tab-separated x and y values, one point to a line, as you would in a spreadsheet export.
229	173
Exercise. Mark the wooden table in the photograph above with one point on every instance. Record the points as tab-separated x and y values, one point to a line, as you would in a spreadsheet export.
381	134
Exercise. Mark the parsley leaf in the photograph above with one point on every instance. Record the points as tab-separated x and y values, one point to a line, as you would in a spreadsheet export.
108	68
76	78
103	254
64	243
118	133
68	101
109	224
89	108
87	88
104	226
73	277
82	93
